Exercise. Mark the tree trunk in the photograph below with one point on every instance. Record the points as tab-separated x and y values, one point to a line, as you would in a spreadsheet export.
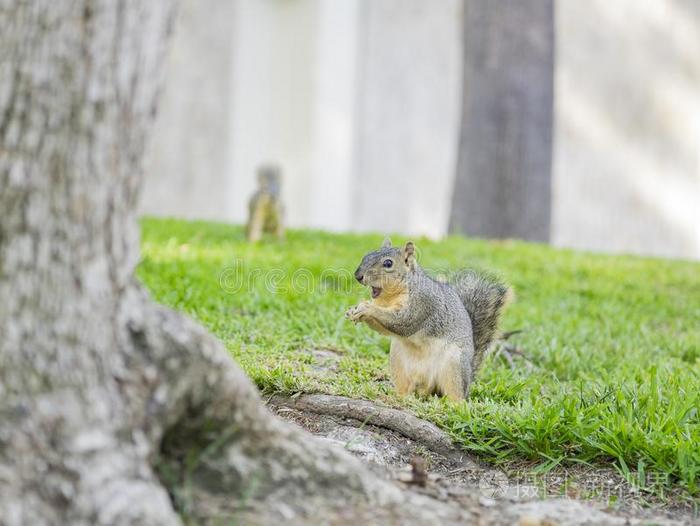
114	410
503	180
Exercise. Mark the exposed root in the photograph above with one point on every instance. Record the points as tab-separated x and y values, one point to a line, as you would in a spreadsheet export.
368	412
223	457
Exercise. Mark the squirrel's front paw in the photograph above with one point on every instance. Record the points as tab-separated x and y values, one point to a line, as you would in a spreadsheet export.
352	314
355	313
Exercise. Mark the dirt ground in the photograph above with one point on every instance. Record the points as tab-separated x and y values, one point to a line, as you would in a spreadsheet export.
561	497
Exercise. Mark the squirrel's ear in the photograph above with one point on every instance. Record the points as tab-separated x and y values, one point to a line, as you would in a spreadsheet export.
409	253
386	243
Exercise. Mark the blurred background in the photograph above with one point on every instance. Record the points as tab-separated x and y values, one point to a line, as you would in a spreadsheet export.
568	122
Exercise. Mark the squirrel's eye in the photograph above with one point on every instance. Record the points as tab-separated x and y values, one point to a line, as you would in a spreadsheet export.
387	263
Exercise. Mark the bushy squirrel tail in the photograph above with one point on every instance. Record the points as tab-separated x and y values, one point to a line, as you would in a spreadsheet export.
484	297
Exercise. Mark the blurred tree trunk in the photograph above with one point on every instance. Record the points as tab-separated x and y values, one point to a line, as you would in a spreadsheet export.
114	410
76	97
503	181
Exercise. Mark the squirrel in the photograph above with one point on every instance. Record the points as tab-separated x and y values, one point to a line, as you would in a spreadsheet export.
265	210
440	331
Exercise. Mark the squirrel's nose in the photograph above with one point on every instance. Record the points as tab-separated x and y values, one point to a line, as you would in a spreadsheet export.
358	275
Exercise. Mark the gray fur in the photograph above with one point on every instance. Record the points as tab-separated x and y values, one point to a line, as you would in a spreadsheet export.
464	312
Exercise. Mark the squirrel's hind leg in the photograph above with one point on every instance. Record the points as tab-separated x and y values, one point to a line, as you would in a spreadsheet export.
453	379
400	376
452	387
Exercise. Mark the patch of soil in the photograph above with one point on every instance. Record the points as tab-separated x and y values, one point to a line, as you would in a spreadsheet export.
325	359
564	497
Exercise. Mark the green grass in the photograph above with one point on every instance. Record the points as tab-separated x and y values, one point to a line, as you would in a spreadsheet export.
614	341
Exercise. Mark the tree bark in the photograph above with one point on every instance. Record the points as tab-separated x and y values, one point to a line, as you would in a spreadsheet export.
76	99
503	181
114	410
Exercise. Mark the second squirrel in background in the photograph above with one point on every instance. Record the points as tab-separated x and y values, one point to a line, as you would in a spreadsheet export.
265	210
439	331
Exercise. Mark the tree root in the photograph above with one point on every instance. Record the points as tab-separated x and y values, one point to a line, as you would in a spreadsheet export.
222	455
364	411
